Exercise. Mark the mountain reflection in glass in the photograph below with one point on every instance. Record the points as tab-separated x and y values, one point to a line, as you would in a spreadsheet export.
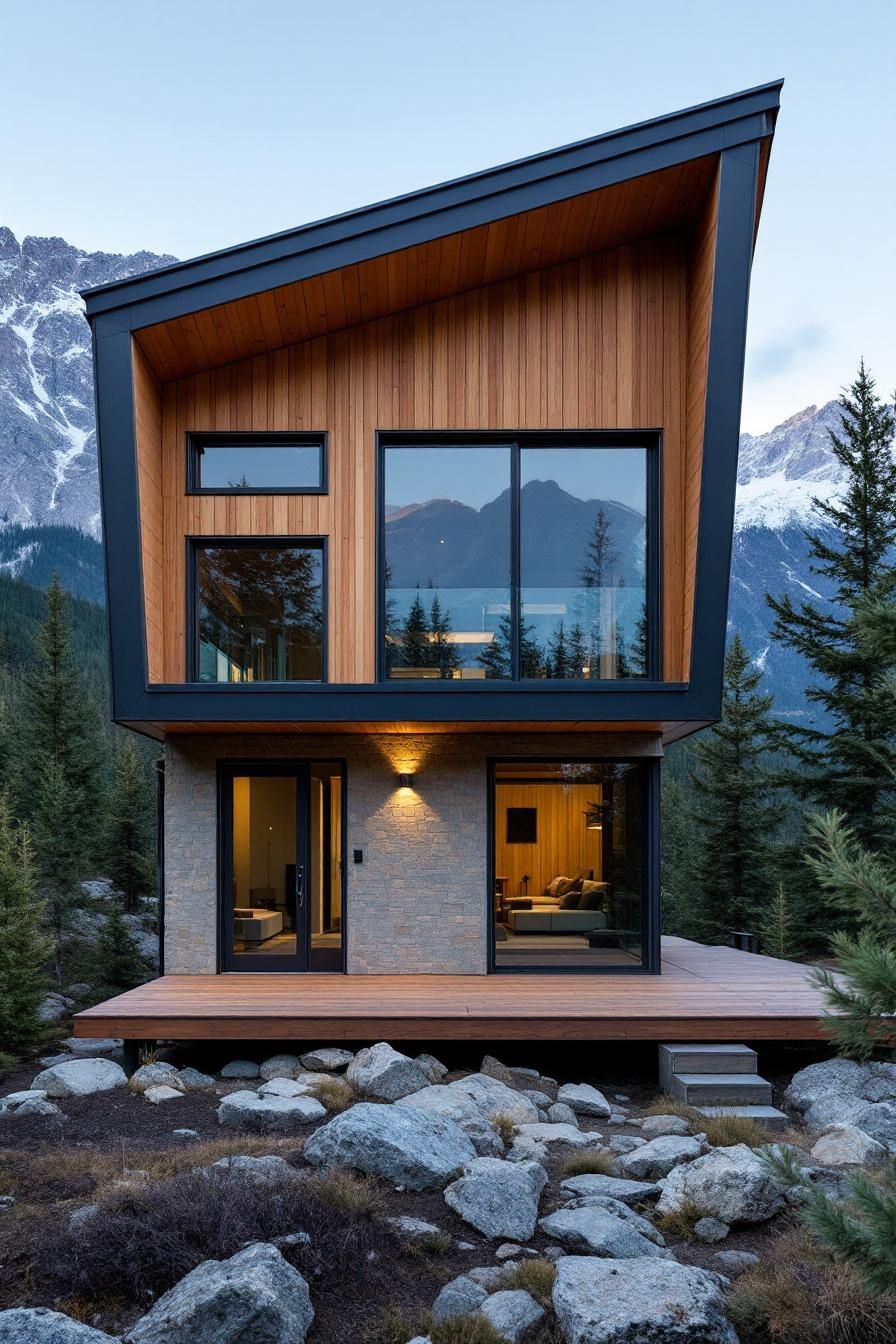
583	562
260	613
447	596
581	595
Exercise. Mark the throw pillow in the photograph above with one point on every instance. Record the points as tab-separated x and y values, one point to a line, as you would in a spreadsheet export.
553	888
591	900
568	884
571	900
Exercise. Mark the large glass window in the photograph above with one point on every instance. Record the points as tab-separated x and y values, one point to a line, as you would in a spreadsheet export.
257	463
583	562
569	890
518	560
259	612
447	561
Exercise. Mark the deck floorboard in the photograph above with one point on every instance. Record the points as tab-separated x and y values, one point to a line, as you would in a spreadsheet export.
704	993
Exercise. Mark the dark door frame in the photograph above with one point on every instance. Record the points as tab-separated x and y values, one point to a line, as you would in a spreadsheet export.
303	960
650	869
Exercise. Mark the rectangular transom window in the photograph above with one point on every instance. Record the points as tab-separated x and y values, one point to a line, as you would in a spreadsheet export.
530	558
270	463
258	610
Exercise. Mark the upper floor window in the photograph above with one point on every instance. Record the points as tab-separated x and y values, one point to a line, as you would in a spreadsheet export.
258	610
269	463
520	559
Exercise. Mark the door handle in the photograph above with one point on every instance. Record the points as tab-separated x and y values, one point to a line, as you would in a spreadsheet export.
300	887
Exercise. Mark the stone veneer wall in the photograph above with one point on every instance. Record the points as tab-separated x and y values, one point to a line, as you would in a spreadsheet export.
419	901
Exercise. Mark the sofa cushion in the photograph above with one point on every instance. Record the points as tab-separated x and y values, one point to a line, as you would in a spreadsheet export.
592	897
553	888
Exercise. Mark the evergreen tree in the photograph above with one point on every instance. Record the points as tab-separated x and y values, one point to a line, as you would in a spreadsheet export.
557	660
577	652
601	556
682	911
779	926
118	964
447	656
847	761
495	657
25	949
735	808
130	858
416	647
57	764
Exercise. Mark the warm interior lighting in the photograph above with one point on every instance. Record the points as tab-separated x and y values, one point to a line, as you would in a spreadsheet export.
594	817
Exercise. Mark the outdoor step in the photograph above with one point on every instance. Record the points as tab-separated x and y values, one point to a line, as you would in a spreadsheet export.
712	1058
723	1089
766	1115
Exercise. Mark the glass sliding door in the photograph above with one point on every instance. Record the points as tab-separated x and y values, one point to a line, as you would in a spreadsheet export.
282	866
570	873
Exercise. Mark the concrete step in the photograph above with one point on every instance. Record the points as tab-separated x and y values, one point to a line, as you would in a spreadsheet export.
712	1058
766	1115
722	1089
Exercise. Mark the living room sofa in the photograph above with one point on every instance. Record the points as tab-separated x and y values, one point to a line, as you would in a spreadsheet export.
255	926
550	919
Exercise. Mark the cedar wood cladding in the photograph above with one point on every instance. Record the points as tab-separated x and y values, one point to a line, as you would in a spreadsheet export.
615	339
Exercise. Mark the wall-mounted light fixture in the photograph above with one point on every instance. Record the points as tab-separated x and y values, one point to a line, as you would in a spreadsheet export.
405	781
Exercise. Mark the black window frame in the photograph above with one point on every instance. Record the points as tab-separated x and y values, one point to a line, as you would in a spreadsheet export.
198	440
651	955
647	440
197	543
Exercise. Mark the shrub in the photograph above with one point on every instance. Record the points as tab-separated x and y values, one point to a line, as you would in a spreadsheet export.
800	1295
590	1162
144	1238
395	1327
336	1094
536	1277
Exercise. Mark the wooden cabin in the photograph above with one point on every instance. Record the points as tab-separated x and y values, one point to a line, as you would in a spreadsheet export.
418	524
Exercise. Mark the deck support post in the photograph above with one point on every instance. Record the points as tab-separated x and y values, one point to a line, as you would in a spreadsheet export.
131	1052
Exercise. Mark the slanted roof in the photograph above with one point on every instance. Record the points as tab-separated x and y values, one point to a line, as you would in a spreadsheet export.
649	178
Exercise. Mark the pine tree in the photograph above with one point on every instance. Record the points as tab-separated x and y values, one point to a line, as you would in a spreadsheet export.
118	964
25	949
57	766
736	811
130	860
446	654
557	660
495	657
779	926
577	652
532	658
847	761
682	906
601	556
416	648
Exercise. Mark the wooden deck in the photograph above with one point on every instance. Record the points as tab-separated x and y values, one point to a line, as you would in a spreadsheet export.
704	993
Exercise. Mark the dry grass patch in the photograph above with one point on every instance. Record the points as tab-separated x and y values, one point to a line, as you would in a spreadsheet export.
506	1126
465	1330
396	1327
680	1223
723	1131
536	1277
336	1094
590	1162
669	1105
800	1295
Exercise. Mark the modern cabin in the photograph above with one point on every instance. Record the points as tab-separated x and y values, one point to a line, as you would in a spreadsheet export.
418	524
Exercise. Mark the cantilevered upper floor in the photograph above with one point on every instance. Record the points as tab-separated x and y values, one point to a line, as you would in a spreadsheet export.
464	458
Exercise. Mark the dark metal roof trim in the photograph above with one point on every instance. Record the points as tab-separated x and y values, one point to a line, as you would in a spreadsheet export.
443	209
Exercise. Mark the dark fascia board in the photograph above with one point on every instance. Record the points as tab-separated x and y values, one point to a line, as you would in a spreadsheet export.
464	203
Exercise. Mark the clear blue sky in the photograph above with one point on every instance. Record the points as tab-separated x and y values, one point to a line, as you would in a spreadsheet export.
188	126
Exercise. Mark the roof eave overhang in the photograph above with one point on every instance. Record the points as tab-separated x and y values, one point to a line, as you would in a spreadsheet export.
435	212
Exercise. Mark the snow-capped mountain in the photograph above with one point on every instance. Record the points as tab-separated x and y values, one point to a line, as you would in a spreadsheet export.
48	474
47	442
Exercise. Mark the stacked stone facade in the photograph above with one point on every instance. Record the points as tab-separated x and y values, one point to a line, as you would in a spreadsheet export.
418	903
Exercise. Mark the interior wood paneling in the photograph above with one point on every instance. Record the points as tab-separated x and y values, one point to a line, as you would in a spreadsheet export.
593	343
148	420
699	304
594	221
563	845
